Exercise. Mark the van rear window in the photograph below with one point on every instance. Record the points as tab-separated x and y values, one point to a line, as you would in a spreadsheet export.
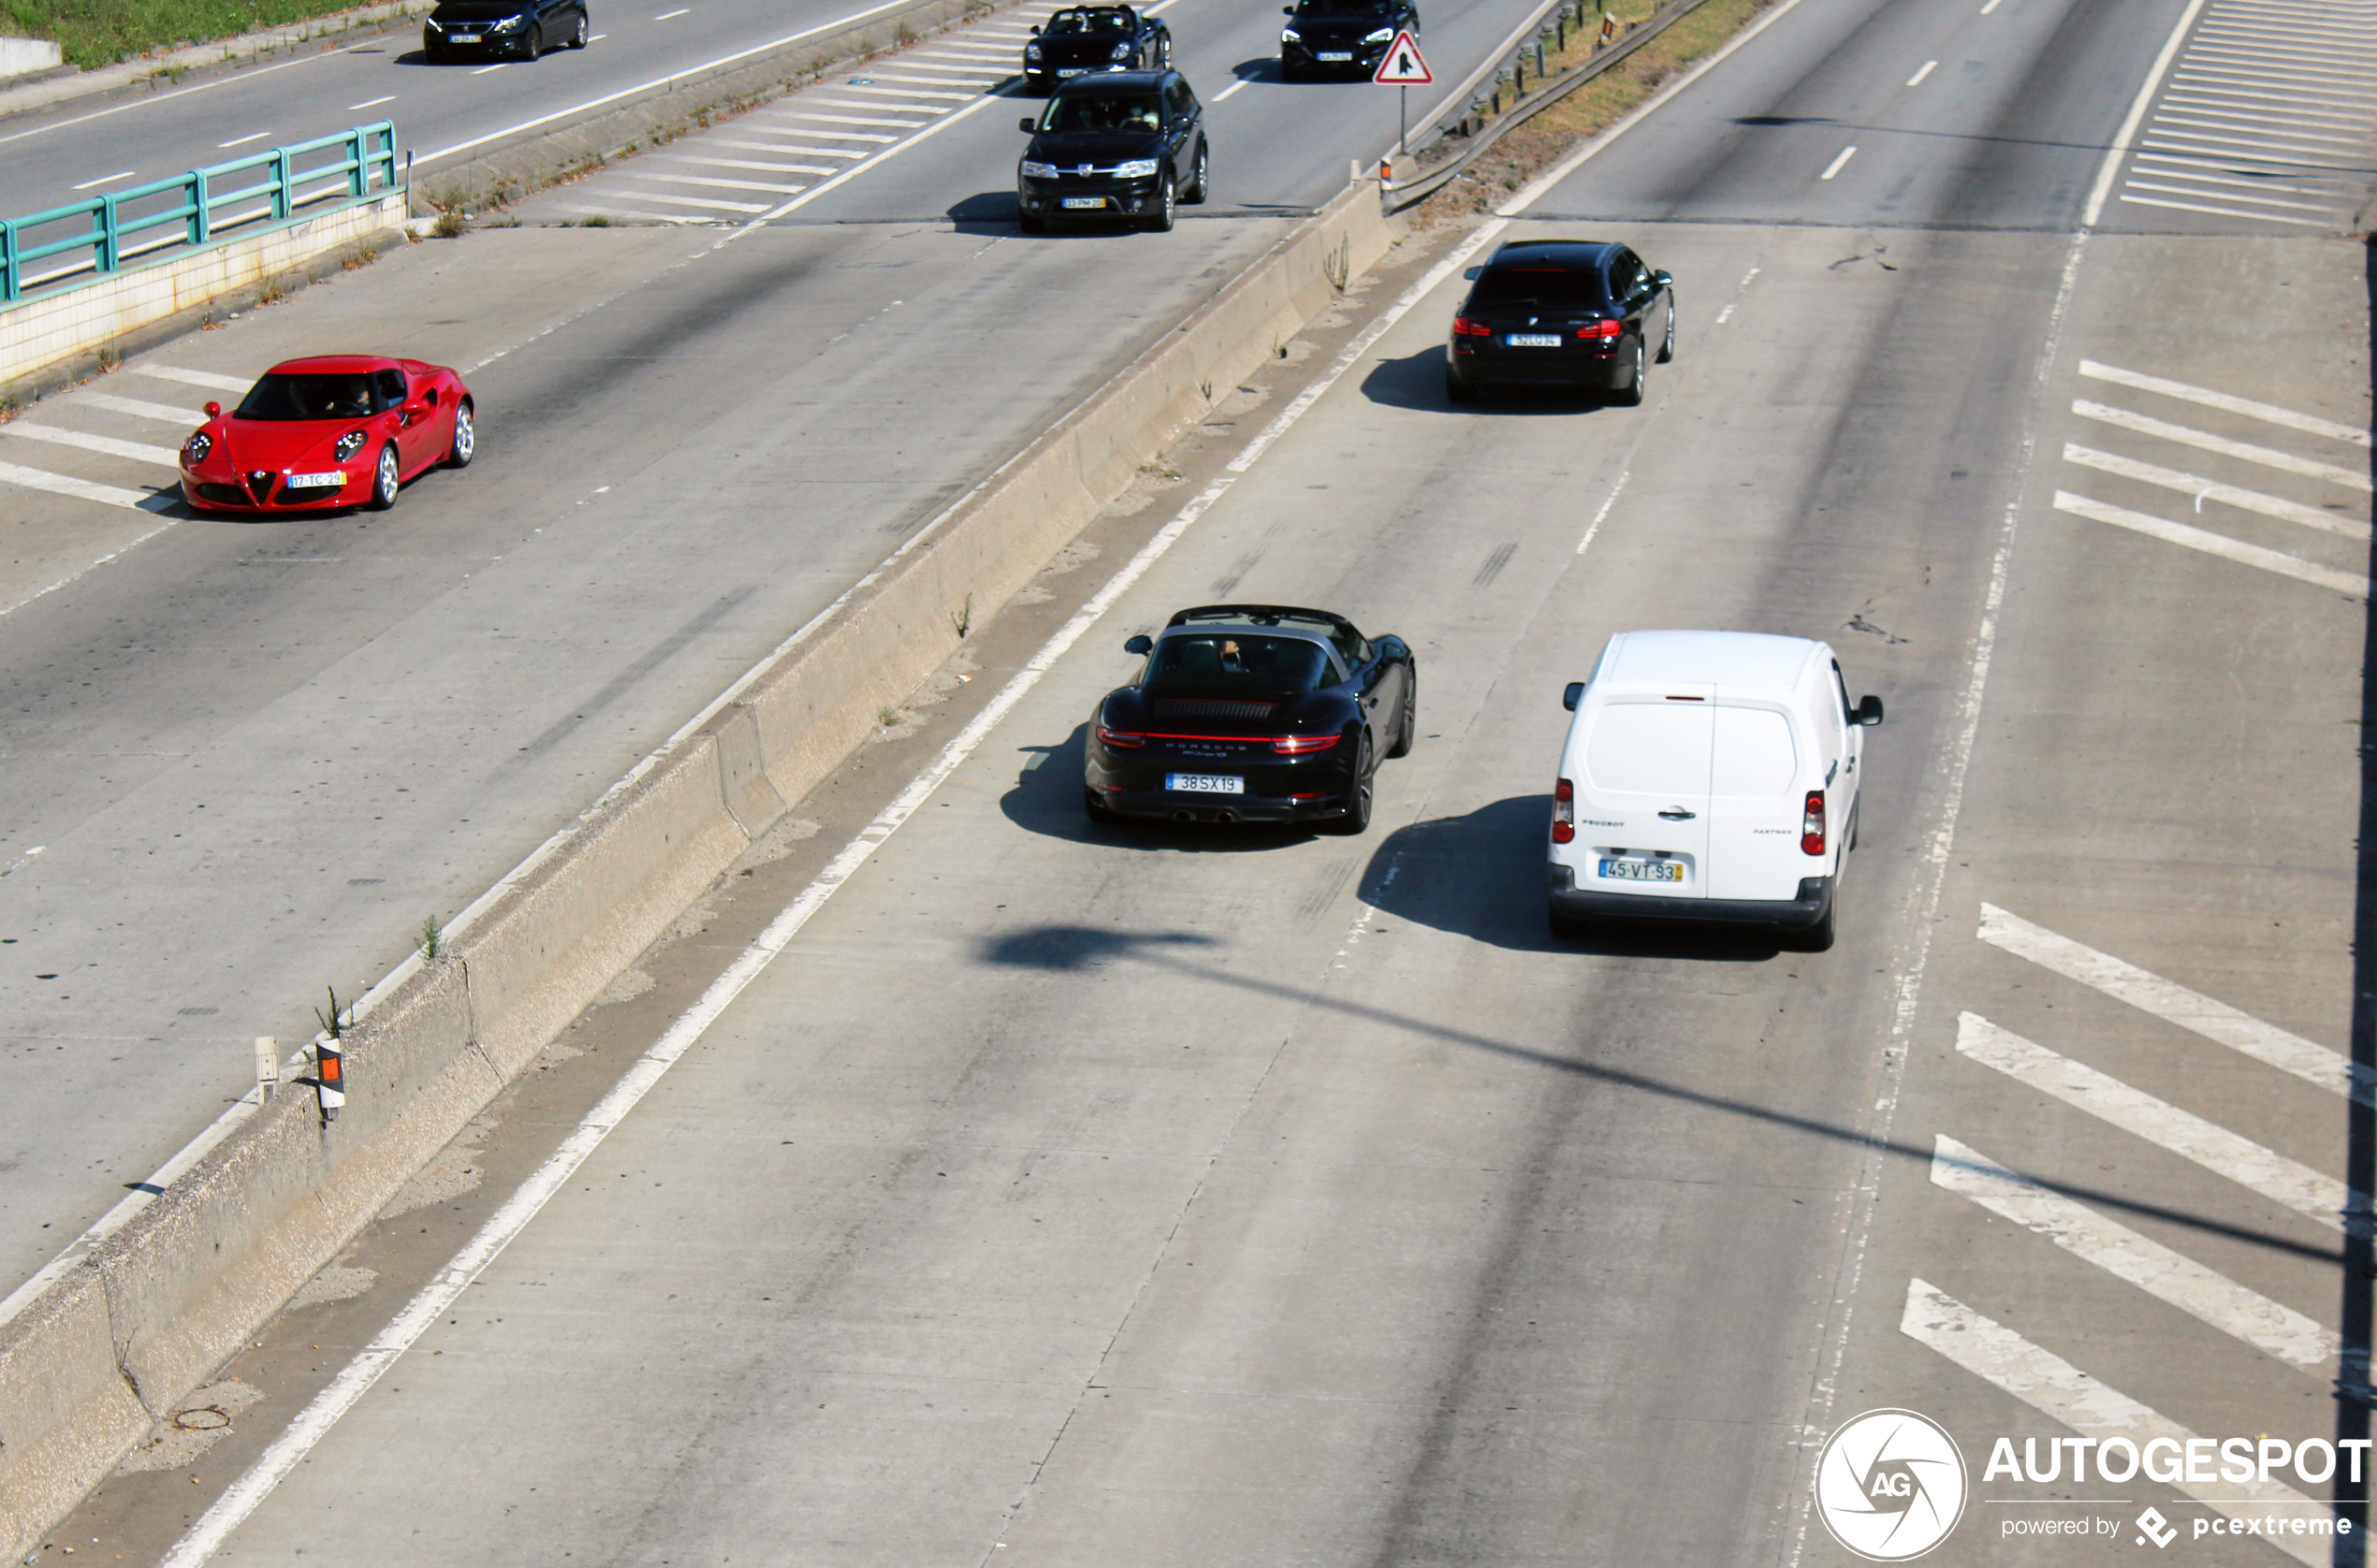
1754	754
1650	748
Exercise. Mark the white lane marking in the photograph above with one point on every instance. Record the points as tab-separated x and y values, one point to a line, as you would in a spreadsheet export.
2257	199
1739	289
782	147
1916	79
824	186
2204	489
243	141
193	378
758	164
286	1452
2268	414
2062	1392
858	120
2191	169
2118	149
598	38
140	452
1990	7
665	15
939	79
875	87
1609	504
2215	544
2284	1181
2249	127
2223	117
707	204
2226	212
2258	148
657	83
2268	456
374	103
2314	69
2252	109
621	209
1238	86
2209	1297
163	413
497	67
870	119
104	180
2219	81
84	489
1838	164
718	183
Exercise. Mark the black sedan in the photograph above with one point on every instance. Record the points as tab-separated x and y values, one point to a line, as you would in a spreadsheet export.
1561	313
1341	38
1252	713
1089	38
1131	145
502	29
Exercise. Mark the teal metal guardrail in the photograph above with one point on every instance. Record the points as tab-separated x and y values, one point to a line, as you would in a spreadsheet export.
110	231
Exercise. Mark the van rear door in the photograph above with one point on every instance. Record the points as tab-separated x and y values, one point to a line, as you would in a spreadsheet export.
1642	778
1754	806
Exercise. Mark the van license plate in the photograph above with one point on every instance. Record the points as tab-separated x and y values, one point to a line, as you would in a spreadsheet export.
1644	870
1205	783
1532	340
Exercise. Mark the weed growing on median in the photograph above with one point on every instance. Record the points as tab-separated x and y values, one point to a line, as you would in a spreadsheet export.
450	224
270	292
887	717
363	256
333	1022
597	221
433	940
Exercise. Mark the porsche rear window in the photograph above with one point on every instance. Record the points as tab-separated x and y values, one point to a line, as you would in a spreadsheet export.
1102	112
345	396
1236	661
1556	287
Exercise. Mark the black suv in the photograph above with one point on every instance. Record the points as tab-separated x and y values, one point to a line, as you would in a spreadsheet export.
1341	38
1127	144
1090	39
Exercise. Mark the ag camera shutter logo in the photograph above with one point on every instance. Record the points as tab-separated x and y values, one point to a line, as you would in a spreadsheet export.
1890	1485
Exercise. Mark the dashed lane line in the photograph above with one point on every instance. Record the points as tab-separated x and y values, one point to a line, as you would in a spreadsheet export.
2213	544
2286	1182
2204	489
2062	1392
2205	1295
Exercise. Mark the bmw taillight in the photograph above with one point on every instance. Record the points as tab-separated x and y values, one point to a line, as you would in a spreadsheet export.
1301	746
1121	740
1600	331
1463	326
1564	812
1812	825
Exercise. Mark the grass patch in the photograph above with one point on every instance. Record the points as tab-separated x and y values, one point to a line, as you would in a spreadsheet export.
1591	109
102	32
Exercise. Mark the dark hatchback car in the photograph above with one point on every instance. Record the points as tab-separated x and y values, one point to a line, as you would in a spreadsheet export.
1341	38
502	29
1128	145
1252	713
1561	313
1089	38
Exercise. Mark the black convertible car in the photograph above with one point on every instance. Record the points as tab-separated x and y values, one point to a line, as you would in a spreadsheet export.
1252	713
1561	313
1091	38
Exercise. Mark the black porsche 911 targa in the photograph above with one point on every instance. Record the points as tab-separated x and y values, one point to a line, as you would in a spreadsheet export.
1252	713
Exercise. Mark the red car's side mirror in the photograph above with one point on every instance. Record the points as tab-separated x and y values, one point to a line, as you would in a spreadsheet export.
214	411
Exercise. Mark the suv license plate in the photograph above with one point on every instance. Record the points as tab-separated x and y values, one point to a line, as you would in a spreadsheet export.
1532	340
1335	54
1205	783
464	39
1077	202
1644	870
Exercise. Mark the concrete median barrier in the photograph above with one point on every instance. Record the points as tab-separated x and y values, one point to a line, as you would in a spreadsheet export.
121	1336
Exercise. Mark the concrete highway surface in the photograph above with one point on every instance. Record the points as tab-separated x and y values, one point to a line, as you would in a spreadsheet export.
1073	1194
248	761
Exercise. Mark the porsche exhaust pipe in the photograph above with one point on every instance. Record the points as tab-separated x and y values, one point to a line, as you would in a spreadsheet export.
1183	815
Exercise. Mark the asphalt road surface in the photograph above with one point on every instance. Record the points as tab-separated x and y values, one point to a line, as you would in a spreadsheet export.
247	762
1067	1195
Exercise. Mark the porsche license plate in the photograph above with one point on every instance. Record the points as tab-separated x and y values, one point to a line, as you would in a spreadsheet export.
1644	870
463	38
1335	54
1531	339
314	481
1072	70
1079	202
1205	783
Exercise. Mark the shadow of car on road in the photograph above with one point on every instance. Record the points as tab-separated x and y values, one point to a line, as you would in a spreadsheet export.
1417	380
1046	800
1482	876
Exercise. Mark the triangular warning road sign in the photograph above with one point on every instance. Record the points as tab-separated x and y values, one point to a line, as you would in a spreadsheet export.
1402	66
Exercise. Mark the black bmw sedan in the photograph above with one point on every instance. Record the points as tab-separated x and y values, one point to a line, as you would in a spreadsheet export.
1086	38
1341	38
1131	145
1561	313
1252	713
502	29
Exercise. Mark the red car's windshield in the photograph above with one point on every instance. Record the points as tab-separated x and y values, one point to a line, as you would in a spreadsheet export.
347	396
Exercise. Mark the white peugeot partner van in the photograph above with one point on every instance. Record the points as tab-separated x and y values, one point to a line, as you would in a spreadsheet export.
1708	776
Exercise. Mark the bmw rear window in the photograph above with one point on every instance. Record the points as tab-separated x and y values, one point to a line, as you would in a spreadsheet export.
1552	287
1227	662
344	395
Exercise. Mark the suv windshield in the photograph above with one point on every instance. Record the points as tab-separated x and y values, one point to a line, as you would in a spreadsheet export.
1102	112
1088	22
1236	661
347	396
1553	286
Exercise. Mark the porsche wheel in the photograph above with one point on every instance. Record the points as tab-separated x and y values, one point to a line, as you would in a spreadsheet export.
466	438
1411	720
1167	204
1355	819
386	480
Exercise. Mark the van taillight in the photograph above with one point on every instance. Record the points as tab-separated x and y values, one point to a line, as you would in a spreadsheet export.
1563	813
1812	825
